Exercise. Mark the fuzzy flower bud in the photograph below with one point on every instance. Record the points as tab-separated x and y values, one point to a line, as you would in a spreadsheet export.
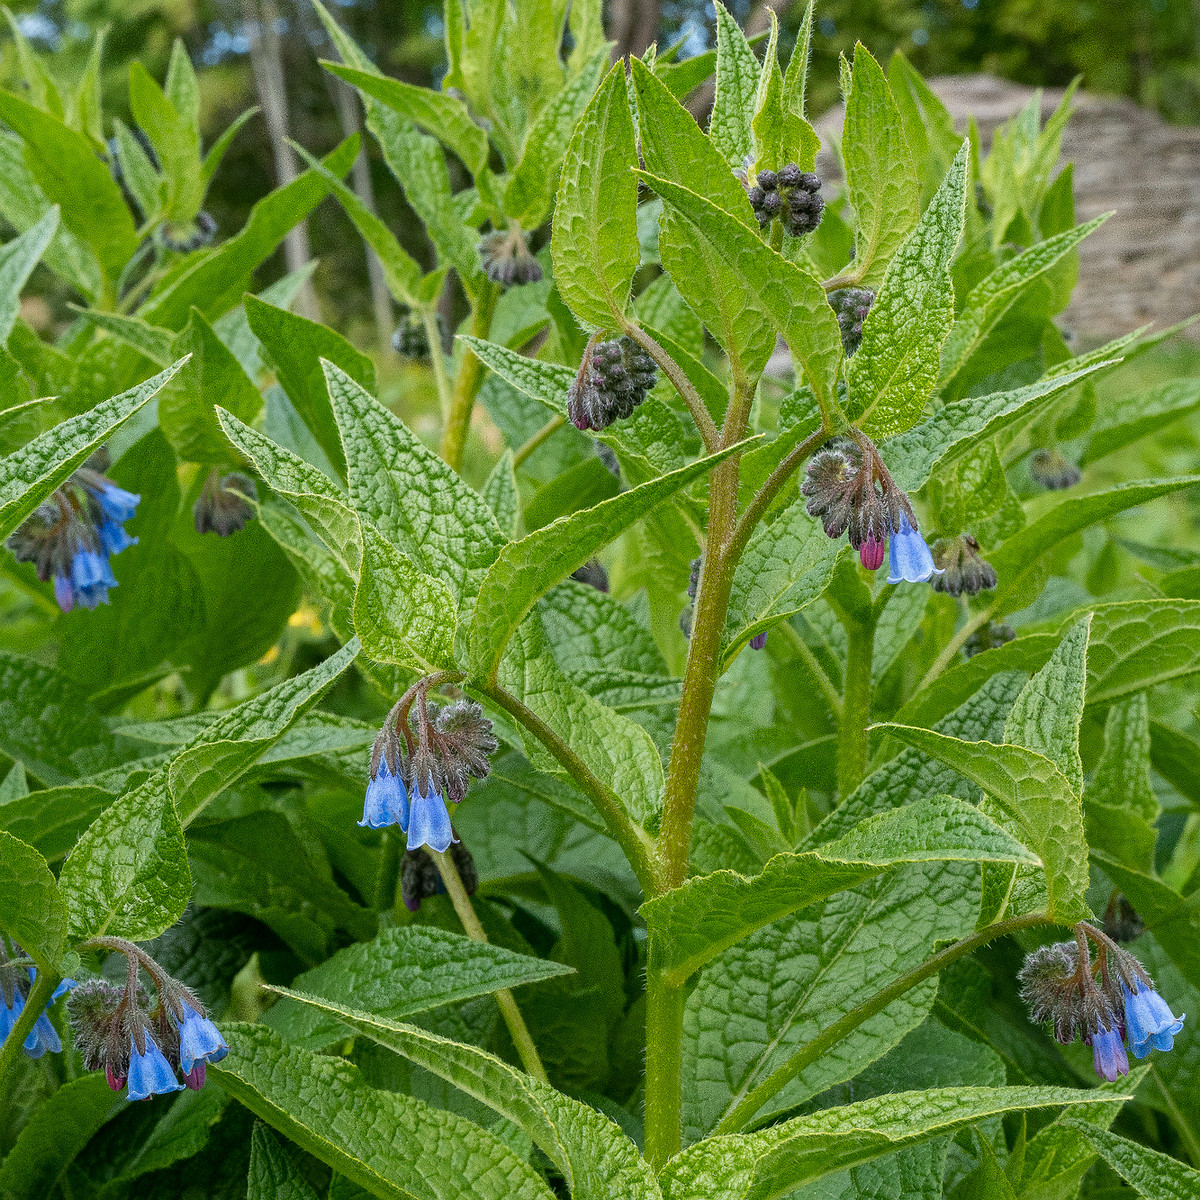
593	574
420	878
851	306
506	258
184	237
411	339
1051	470
830	485
988	637
613	379
789	194
962	568
223	506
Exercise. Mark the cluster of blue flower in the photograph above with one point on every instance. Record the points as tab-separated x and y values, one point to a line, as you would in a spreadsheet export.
71	536
425	819
43	1036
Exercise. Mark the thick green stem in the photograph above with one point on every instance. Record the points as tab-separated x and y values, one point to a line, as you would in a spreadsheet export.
43	988
853	740
470	378
437	359
745	1110
474	930
664	1068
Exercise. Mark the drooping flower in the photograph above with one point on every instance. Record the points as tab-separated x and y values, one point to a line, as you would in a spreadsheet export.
149	1072
1149	1021
963	570
613	379
1108	1053
909	557
429	819
386	801
224	504
200	1041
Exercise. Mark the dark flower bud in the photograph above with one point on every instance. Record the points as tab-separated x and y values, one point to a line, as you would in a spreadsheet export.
189	236
767	180
988	637
223	506
613	379
506	258
791	195
962	568
91	1008
871	552
694	578
830	484
1051	470
789	176
851	306
756	195
1057	992
410	339
420	878
772	205
462	738
758	641
593	574
1121	921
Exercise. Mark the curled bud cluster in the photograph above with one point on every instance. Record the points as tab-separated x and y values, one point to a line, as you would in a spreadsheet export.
850	306
1051	470
506	257
988	637
145	1046
184	237
963	571
420	878
613	379
1106	1005
411	781
850	490
223	506
792	195
411	340
73	533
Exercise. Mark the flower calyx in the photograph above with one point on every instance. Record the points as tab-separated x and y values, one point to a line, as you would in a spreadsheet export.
225	503
613	379
1053	471
792	195
964	571
507	259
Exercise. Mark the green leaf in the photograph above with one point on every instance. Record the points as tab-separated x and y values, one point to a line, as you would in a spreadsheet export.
533	182
414	500
401	972
1119	805
500	491
17	260
1127	417
781	134
228	747
1031	791
156	344
579	487
960	426
880	178
32	911
1018	562
786	565
212	376
790	295
995	295
59	1128
128	875
1155	1176
597	1160
595	246
928	127
138	172
737	82
772	1162
219	148
402	615
176	140
274	1173
30	474
394	1146
892	376
72	175
525	570
448	119
297	348
696	922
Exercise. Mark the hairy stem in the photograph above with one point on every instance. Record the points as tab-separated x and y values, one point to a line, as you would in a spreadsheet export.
43	988
682	384
632	838
474	930
469	380
664	1068
552	426
744	1112
437	359
853	740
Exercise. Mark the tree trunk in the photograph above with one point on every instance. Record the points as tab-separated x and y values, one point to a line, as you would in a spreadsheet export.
634	25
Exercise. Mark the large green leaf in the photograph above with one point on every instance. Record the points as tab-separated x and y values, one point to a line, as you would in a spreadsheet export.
17	260
410	495
695	922
392	1145
527	569
30	474
772	1162
880	177
737	81
32	911
595	246
791	295
1119	805
274	1172
892	375
1035	794
1125	418
401	972
596	1159
1154	1175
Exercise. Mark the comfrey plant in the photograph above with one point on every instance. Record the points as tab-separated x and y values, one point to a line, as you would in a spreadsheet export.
730	925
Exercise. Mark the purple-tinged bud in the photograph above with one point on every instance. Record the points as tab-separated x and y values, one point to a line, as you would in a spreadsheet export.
194	1079
963	570
767	180
593	574
420	878
613	379
411	340
831	481
758	641
506	257
184	237
1108	1053
789	176
1053	471
871	552
851	306
461	738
